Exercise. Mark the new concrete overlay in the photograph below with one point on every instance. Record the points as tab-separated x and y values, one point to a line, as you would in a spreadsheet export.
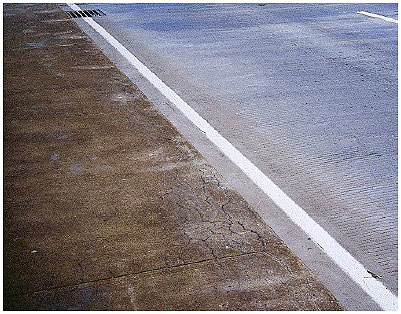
107	206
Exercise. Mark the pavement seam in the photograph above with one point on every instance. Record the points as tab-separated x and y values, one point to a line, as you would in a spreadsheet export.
155	270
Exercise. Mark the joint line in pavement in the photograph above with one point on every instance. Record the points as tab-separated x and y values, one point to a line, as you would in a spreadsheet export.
353	268
145	271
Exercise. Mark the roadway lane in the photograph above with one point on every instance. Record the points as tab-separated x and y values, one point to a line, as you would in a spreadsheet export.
307	92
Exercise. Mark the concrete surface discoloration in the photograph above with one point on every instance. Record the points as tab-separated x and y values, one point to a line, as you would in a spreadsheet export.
107	207
210	285
307	92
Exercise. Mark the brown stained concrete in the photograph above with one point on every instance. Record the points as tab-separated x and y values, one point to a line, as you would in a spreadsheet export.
107	206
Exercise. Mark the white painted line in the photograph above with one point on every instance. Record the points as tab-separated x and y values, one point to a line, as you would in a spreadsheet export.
355	270
385	18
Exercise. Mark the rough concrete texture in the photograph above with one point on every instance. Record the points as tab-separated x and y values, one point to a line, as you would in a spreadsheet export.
307	92
107	207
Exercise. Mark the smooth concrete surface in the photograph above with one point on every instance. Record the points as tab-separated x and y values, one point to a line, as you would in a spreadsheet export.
108	207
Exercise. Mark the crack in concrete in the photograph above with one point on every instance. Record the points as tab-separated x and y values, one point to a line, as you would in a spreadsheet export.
159	269
184	193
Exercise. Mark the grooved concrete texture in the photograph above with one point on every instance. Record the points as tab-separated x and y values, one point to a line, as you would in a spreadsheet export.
107	207
308	92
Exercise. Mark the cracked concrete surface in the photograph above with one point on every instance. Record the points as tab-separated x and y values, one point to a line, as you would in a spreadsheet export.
108	207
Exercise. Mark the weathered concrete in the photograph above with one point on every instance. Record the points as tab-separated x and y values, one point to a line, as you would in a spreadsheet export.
107	206
308	92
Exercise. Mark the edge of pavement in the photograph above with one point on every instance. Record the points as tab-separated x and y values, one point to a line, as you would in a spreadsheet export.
107	206
339	283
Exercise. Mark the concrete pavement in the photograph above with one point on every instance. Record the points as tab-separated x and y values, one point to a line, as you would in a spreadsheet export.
307	92
107	206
